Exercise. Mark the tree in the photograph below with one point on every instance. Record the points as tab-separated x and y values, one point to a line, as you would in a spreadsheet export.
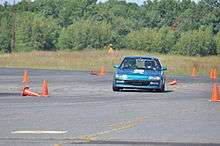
151	14
5	26
76	10
120	28
152	40
195	42
85	34
217	42
35	32
167	40
46	7
164	26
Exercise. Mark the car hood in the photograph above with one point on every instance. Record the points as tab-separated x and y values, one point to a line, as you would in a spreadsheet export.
139	72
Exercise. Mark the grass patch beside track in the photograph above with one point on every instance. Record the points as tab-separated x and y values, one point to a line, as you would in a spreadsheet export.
88	59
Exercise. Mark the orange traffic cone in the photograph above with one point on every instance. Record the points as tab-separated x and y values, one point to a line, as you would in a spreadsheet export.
211	73
194	72
93	72
173	82
27	92
25	80
102	71
214	74
45	89
215	96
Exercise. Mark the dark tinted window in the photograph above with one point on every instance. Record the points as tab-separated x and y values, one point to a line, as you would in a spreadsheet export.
141	63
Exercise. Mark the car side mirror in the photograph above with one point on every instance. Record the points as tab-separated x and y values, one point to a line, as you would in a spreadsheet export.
163	68
116	66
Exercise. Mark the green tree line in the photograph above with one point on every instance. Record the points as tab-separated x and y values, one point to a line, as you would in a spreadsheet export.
165	26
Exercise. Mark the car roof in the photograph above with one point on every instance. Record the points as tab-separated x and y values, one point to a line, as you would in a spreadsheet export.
136	57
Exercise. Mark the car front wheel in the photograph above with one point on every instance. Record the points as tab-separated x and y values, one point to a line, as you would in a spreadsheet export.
162	89
115	88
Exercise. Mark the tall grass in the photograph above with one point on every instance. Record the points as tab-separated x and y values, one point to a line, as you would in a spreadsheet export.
94	59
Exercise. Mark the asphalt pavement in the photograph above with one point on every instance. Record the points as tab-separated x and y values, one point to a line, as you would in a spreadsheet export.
83	110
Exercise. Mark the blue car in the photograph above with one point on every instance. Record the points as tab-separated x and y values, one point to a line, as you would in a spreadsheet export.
137	72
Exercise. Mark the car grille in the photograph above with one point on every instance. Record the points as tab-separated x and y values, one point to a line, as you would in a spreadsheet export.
137	83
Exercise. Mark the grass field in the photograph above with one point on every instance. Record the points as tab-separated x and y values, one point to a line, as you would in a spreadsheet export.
94	59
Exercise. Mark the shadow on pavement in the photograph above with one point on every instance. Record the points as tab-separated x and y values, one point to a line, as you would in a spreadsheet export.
118	142
9	94
146	91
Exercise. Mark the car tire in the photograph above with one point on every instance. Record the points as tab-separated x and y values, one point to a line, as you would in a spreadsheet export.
162	89
115	88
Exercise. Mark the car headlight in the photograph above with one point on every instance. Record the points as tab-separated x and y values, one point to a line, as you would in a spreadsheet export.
121	77
117	76
154	78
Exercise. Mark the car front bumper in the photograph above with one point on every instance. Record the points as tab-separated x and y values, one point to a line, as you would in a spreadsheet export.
138	84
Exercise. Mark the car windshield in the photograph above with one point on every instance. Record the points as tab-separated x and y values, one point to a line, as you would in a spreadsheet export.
141	63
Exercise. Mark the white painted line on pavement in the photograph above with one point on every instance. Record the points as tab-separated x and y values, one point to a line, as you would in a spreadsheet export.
39	132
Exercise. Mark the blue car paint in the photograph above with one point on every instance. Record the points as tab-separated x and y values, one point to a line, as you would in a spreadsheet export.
136	77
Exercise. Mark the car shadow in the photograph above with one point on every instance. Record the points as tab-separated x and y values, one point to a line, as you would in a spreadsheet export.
145	91
9	94
137	143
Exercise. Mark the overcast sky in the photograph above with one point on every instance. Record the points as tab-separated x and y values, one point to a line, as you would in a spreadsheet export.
136	1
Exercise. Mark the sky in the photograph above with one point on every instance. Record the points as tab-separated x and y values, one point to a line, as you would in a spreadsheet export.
135	1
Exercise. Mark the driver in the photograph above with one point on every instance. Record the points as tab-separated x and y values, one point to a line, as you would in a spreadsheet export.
150	64
147	64
132	63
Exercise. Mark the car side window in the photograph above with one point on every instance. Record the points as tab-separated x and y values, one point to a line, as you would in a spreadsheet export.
158	65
